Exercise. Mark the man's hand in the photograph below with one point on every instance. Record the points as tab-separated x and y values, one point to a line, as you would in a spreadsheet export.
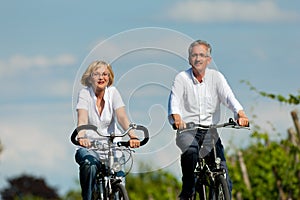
178	123
242	119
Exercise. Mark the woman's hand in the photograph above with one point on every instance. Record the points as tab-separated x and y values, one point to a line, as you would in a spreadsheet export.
84	142
134	143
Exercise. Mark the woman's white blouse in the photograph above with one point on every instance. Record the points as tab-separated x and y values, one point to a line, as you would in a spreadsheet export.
106	121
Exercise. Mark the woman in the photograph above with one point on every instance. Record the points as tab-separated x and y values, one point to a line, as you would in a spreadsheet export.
99	104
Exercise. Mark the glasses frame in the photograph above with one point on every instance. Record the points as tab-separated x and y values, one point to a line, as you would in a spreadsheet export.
201	55
98	75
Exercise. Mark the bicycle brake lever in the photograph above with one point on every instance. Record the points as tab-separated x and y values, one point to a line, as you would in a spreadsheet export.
133	125
231	121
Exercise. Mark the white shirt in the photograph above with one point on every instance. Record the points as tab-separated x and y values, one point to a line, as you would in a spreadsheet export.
106	121
200	102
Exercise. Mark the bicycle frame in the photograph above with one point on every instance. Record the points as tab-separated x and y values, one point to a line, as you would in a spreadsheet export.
209	172
111	172
206	176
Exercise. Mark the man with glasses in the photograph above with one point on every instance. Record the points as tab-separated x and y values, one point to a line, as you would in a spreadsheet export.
196	96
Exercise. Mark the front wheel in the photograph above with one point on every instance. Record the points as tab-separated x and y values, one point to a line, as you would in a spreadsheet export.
221	191
119	192
201	190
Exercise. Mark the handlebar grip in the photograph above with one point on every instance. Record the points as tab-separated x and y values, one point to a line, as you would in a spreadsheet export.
174	127
146	134
123	143
80	128
188	125
143	142
235	123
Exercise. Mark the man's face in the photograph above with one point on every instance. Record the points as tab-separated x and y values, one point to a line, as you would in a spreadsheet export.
199	58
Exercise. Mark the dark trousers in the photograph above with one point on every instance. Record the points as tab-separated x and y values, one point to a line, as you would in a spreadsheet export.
190	143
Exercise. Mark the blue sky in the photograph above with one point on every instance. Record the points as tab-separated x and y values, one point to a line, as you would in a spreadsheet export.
46	45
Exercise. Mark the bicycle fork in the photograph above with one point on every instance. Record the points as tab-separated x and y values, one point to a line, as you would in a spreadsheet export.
100	190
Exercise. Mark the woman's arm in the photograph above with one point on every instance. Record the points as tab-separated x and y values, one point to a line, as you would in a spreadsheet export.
124	122
82	120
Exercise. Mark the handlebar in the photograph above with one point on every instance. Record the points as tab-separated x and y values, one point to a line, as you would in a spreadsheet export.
143	142
121	143
230	124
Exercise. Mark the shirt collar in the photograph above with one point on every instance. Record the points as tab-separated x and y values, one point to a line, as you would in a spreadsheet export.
94	95
195	81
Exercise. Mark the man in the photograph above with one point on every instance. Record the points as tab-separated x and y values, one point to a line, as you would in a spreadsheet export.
196	96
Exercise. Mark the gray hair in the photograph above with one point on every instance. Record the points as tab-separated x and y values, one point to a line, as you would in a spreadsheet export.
199	42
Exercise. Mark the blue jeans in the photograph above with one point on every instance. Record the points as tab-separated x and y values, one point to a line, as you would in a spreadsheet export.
189	143
89	164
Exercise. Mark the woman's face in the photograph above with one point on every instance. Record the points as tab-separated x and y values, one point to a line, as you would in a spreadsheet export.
100	78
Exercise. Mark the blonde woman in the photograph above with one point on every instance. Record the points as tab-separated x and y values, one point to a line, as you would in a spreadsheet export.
100	104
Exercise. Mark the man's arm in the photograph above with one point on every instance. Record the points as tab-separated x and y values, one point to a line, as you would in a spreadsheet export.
229	100
174	104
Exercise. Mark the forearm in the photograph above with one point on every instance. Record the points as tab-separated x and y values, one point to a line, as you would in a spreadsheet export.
82	120
241	114
82	116
124	121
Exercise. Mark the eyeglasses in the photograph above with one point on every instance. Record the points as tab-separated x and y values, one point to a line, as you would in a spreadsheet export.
201	55
98	75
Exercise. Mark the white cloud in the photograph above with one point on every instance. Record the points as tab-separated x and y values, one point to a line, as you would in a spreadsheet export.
227	11
37	71
18	62
60	88
140	39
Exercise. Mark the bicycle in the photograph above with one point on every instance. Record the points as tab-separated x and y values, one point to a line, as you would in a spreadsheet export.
209	174
109	183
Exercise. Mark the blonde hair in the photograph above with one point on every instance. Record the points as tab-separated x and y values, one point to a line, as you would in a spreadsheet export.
85	79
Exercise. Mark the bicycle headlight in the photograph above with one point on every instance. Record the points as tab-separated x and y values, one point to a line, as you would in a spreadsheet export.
116	166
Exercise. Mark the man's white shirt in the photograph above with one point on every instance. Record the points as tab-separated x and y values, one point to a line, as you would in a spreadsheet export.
200	102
